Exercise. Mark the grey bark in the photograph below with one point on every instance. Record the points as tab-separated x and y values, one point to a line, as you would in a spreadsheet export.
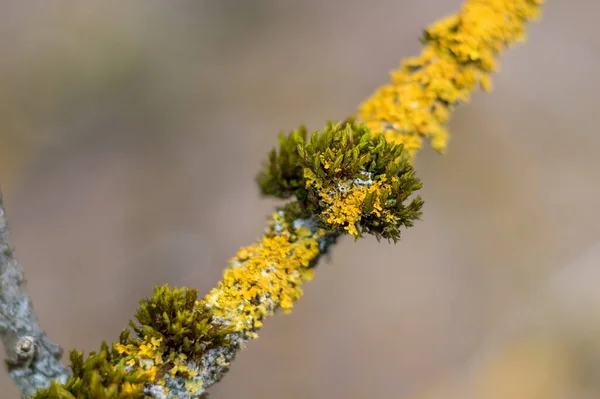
33	360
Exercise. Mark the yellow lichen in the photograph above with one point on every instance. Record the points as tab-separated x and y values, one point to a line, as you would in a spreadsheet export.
148	349
345	203
127	388
264	276
182	369
459	54
148	356
193	386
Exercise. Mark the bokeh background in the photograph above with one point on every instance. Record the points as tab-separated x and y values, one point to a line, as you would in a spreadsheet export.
131	133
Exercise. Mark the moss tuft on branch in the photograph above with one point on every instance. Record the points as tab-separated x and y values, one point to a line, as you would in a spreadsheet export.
173	317
346	178
103	375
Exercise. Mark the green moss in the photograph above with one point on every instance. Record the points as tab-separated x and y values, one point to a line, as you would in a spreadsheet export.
342	151
101	376
172	322
174	316
282	174
335	161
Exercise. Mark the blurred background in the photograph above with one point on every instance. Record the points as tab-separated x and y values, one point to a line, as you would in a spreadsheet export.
131	133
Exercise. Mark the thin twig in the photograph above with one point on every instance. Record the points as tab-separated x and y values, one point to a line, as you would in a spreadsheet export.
33	360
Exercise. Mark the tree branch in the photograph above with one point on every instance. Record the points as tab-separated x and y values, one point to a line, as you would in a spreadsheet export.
33	360
347	179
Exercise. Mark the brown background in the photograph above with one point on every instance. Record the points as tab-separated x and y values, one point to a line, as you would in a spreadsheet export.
131	133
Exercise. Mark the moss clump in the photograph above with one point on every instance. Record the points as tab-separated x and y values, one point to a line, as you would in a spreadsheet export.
175	317
172	328
352	181
282	174
102	375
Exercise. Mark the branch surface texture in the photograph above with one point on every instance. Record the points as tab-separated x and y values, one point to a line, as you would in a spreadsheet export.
349	178
33	360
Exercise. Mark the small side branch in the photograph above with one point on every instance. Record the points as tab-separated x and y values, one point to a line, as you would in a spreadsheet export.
33	360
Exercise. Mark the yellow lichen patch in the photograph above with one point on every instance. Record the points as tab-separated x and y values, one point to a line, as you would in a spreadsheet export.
149	348
132	390
193	386
148	355
264	276
183	370
345	204
459	54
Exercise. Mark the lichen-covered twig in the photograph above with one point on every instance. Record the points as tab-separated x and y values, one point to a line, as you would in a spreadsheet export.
350	178
459	53
33	360
183	345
